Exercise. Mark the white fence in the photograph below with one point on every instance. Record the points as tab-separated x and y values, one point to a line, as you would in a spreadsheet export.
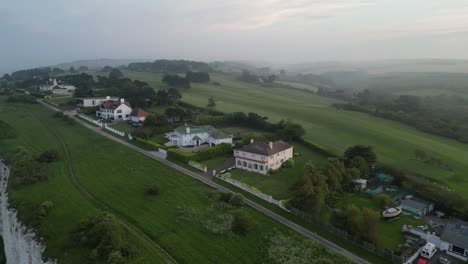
90	119
250	190
113	130
197	165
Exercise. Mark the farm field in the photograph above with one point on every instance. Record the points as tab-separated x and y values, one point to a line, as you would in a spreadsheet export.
394	142
182	219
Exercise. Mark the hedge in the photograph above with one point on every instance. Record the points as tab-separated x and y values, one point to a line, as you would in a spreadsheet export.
148	145
185	157
318	148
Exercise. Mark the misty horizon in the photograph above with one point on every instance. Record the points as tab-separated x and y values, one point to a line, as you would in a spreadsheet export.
52	32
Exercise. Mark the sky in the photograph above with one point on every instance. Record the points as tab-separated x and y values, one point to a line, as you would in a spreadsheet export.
38	33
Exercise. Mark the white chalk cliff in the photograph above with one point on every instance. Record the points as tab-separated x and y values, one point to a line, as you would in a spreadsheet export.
21	246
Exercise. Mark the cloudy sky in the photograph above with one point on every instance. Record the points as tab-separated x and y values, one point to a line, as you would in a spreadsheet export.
35	33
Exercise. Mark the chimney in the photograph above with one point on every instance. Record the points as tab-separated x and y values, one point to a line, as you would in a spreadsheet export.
187	129
122	100
251	141
270	144
107	97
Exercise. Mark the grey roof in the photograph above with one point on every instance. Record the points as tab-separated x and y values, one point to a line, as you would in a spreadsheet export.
213	132
414	204
456	233
262	148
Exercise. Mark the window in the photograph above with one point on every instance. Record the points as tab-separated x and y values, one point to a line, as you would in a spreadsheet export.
457	250
119	111
261	167
256	166
126	115
119	116
250	165
244	164
239	162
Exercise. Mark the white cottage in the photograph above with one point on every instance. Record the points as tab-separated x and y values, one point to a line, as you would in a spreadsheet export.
261	157
138	115
195	136
114	110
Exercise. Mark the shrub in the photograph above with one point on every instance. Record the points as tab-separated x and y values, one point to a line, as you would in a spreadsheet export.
237	199
28	171
154	190
242	224
215	195
45	208
225	197
105	235
384	200
288	164
48	156
58	115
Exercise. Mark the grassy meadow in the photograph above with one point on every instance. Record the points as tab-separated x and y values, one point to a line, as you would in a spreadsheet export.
394	143
182	219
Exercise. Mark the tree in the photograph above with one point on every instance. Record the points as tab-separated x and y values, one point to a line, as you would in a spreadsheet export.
370	223
310	191
211	103
115	74
289	131
48	156
360	163
366	152
7	77
173	96
242	224
82	68
153	190
384	200
237	199
72	70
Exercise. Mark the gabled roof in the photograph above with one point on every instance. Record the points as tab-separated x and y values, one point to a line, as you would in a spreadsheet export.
210	130
113	104
262	148
456	233
138	112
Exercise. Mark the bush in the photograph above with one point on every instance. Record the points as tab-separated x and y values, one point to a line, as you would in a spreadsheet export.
288	164
147	144
216	195
28	171
58	115
242	224
45	208
384	200
48	156
154	190
212	152
237	199
225	196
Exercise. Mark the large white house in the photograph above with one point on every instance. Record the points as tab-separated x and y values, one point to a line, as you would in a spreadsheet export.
261	157
57	87
114	110
93	102
195	136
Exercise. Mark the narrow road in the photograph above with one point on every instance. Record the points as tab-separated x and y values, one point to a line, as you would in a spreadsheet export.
271	214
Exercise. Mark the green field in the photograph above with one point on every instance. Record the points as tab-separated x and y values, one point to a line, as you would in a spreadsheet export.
178	220
394	142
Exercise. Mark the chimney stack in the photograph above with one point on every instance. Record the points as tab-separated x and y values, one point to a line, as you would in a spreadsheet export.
270	144
122	100
187	129
107	97
251	141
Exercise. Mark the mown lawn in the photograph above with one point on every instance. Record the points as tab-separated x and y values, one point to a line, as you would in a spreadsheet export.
177	219
394	143
215	162
278	184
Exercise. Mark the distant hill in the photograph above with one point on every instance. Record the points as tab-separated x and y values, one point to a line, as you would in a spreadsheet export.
97	63
383	66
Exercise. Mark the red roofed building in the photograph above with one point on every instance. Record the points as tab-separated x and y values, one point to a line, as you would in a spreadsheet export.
138	115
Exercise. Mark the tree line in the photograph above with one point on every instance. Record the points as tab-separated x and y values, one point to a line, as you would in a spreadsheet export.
170	66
